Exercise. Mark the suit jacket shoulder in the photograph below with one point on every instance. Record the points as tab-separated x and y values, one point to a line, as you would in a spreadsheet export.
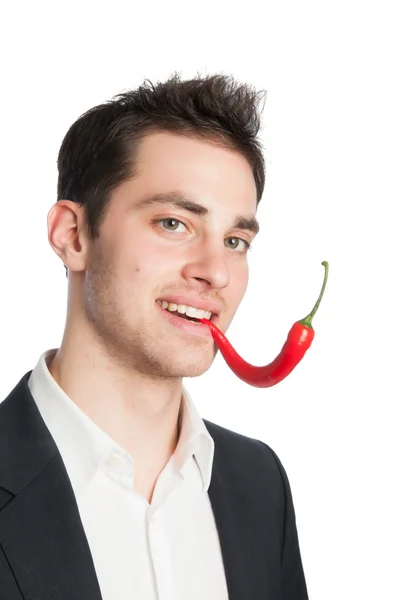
44	552
248	461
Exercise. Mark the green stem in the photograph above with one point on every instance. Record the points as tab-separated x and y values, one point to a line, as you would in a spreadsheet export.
308	319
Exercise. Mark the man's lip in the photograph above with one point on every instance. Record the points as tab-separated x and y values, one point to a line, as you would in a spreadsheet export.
211	306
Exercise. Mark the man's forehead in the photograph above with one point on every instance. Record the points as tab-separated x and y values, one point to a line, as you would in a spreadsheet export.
192	176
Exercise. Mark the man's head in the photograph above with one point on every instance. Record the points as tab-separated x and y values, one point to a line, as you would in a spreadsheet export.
180	153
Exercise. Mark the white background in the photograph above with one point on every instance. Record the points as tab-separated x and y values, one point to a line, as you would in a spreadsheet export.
332	138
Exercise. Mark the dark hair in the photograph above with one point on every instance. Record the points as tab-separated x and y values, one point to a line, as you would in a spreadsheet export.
98	151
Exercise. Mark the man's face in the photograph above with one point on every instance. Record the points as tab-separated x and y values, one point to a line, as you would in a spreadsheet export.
157	251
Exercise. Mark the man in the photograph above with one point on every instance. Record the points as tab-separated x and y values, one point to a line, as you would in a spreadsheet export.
111	485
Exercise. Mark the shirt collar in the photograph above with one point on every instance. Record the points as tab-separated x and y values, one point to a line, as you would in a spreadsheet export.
194	440
84	446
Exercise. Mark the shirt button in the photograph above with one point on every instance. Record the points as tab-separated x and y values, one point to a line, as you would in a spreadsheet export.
114	461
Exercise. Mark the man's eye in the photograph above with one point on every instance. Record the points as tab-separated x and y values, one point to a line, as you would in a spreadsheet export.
247	245
171	223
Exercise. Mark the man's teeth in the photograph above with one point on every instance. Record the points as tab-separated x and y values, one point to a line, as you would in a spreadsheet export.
190	311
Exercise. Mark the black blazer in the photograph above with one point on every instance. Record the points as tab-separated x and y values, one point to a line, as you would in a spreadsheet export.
44	553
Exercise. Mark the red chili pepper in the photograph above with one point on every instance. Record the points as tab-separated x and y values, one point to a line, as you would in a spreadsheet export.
297	343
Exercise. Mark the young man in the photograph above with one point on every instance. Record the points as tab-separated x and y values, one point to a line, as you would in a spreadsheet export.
111	484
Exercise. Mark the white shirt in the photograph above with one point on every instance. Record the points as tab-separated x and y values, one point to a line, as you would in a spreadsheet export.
166	550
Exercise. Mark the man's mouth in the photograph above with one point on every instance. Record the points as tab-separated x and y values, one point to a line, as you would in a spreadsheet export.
189	313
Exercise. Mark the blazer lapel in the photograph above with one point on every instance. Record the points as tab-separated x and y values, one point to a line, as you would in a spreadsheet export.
228	512
236	527
41	532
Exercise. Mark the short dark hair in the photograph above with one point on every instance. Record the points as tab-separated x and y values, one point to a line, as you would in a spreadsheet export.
98	151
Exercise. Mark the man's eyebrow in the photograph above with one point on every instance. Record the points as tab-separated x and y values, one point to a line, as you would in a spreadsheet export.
181	201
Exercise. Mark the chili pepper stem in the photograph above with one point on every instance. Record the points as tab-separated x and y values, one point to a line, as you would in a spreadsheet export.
307	321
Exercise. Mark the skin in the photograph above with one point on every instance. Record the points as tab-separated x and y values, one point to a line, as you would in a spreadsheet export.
120	360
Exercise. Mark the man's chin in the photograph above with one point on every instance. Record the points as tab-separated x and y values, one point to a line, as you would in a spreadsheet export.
198	368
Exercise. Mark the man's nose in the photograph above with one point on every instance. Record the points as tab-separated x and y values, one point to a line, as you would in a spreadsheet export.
208	262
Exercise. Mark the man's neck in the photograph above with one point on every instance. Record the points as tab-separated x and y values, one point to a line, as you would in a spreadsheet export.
141	416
